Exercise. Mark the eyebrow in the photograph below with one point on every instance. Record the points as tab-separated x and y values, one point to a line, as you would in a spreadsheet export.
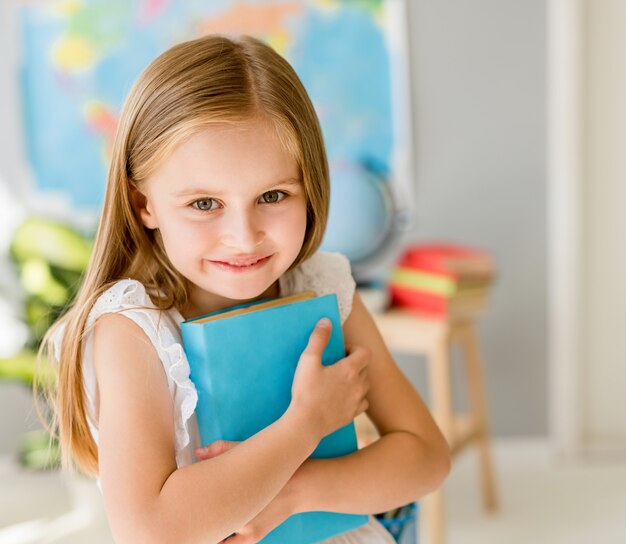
204	191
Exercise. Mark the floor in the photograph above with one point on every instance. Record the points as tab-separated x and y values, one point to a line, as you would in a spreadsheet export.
543	501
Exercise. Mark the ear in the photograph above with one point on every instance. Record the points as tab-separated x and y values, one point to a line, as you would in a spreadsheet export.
142	206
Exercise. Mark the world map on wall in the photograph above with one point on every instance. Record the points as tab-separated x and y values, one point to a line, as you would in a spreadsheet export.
80	58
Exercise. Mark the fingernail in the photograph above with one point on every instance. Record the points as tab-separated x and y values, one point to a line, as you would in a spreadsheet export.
324	323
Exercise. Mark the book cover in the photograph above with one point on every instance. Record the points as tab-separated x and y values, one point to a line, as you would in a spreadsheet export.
452	260
243	361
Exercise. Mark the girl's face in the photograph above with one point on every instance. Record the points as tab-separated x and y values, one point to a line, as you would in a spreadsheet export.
231	209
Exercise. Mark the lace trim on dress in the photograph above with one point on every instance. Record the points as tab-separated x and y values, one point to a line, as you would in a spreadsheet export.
130	296
323	273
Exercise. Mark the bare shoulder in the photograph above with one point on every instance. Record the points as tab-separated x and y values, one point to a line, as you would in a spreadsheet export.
124	356
136	451
394	404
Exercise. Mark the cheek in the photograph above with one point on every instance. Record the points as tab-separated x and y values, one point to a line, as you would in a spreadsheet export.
293	226
182	239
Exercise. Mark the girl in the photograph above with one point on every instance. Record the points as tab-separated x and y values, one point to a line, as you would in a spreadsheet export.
218	194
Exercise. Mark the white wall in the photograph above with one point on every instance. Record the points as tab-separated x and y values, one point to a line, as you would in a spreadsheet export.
603	377
587	171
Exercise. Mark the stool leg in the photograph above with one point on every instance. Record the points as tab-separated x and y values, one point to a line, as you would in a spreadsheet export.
441	406
469	344
431	528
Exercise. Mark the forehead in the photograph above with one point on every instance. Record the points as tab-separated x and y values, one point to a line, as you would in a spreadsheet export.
246	153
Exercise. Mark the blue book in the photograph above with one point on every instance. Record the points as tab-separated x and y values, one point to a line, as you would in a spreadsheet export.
243	361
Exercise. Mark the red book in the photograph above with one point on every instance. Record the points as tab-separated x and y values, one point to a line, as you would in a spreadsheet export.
438	306
449	260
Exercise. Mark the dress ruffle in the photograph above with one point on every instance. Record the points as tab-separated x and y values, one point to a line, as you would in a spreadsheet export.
371	533
129	297
323	273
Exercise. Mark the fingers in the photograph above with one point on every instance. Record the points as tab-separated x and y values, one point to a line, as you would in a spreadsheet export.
319	338
359	357
214	449
359	360
364	376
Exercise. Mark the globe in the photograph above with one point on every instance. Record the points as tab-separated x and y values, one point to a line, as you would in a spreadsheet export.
363	219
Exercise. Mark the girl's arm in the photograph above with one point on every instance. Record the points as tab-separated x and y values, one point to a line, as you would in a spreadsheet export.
411	458
147	499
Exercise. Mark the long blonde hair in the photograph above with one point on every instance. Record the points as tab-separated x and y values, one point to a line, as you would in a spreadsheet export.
188	87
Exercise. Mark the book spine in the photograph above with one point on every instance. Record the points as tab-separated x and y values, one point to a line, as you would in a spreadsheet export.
434	305
426	303
440	284
194	338
453	262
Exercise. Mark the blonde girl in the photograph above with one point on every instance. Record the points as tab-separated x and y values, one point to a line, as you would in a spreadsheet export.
218	194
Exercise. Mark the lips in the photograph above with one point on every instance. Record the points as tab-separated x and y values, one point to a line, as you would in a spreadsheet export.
244	261
241	264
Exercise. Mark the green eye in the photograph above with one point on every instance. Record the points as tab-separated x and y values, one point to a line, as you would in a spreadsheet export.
203	205
272	196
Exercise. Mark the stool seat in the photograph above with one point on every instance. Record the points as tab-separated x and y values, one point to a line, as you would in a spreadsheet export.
409	332
405	331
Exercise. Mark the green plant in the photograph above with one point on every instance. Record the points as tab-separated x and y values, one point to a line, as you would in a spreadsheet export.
50	258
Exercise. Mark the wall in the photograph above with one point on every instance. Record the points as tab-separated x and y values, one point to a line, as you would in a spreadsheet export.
603	425
16	406
480	117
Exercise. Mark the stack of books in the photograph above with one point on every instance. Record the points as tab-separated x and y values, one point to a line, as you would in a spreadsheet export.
442	280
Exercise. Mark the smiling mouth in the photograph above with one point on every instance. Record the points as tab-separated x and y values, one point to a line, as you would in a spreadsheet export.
242	267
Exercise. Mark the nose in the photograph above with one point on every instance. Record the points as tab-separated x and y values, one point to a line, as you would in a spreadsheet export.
243	231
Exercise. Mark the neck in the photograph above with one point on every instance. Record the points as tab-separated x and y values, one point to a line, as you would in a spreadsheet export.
202	302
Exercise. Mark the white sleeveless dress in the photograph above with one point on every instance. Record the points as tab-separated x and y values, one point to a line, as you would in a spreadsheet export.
322	273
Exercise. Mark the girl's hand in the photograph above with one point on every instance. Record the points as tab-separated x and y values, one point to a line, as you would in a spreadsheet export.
277	511
213	450
329	397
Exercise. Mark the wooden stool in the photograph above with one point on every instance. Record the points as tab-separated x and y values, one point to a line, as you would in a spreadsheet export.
407	332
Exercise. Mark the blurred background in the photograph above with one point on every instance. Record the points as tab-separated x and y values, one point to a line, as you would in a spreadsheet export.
495	125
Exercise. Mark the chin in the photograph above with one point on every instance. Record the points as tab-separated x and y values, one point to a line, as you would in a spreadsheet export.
240	292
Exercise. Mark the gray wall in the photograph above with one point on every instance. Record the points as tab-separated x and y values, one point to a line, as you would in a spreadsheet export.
480	116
